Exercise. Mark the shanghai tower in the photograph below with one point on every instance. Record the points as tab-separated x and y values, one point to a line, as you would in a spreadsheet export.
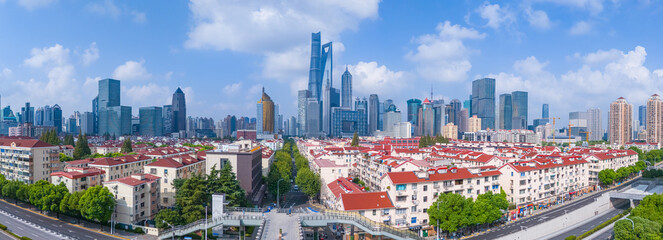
179	111
314	81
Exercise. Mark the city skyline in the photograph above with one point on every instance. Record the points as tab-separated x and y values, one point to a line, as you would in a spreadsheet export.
481	32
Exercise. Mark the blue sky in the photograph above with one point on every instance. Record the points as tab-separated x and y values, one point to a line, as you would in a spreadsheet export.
572	54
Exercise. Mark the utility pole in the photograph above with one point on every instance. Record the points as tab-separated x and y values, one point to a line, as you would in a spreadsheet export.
278	192
205	222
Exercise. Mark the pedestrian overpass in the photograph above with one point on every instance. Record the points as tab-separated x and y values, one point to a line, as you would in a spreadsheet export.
638	191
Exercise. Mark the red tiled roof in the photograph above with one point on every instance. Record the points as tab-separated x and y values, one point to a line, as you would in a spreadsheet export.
343	185
461	173
77	174
23	142
119	160
366	201
166	162
132	181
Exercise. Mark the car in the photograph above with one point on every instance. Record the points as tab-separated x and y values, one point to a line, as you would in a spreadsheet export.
296	188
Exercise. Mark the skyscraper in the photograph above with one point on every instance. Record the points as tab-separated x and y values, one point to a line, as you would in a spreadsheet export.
167	113
361	107
57	117
462	121
151	121
578	122
426	119
373	105
654	119
454	116
545	111
27	114
642	115
483	101
320	70
346	89
595	124
109	93
440	111
179	111
95	115
621	118
505	111
113	118
519	105
413	106
302	101
265	114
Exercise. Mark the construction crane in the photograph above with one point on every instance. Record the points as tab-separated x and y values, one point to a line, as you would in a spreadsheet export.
553	129
587	137
569	130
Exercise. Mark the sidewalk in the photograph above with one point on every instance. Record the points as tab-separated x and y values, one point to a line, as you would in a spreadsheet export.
84	224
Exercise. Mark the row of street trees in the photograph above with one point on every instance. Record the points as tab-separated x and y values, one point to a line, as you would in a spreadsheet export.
306	179
193	194
647	220
455	212
95	203
426	141
609	176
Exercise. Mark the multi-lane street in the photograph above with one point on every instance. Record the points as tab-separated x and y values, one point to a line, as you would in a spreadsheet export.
540	218
36	226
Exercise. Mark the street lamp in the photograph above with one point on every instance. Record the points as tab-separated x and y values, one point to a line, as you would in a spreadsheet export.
438	221
172	227
278	192
632	224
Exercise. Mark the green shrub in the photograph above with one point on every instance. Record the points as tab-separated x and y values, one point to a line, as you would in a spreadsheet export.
604	224
572	237
3	227
25	238
139	230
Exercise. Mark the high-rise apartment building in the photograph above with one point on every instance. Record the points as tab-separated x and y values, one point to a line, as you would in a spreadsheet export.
151	121
462	120
483	101
426	116
505	111
346	89
519	105
474	124
595	124
654	119
578	124
621	119
179	111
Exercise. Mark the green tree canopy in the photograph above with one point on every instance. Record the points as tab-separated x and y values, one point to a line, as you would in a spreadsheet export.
308	181
641	228
454	212
126	146
355	140
69	140
607	176
97	203
82	149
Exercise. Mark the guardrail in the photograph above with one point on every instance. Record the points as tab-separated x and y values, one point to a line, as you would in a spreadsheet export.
211	222
363	221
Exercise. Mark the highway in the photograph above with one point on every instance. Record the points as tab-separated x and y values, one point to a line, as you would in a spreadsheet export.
23	228
540	218
66	231
589	225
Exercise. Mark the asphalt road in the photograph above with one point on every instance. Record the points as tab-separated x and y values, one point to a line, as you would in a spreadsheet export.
64	229
540	218
5	236
22	228
607	235
589	225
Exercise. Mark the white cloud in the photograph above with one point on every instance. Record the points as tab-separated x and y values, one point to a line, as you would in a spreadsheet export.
6	73
91	54
537	18
232	88
601	56
495	15
443	56
150	94
594	7
34	4
369	77
139	17
131	70
55	55
262	26
580	28
110	9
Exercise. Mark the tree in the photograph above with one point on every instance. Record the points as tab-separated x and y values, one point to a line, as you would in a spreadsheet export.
622	173
69	140
355	140
651	207
640	165
308	181
10	188
225	181
69	204
190	196
97	203
82	148
170	216
50	137
126	146
38	193
65	158
641	228
607	176
454	211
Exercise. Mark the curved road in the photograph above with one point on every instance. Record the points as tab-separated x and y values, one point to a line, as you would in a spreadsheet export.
541	218
65	230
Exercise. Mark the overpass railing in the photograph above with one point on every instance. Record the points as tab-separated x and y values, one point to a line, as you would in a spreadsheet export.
333	215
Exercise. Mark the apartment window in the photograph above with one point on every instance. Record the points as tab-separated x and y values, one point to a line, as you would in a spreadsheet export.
165	180
400	187
165	171
375	212
165	200
414	186
425	198
401	198
425	188
361	213
401	210
522	191
414	220
425	211
522	174
385	212
495	178
478	181
469	191
413	209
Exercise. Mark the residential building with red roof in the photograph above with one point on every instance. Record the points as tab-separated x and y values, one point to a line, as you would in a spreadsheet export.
169	169
28	160
344	195
329	170
413	192
136	197
77	178
609	159
119	167
544	180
